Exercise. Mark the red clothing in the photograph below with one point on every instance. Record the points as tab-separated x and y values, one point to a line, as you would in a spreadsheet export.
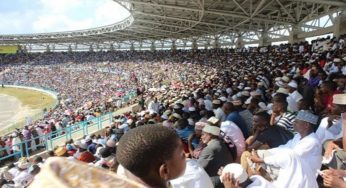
86	157
328	100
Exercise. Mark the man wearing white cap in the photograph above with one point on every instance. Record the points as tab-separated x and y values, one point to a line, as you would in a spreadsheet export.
292	173
332	131
331	126
305	144
293	96
215	154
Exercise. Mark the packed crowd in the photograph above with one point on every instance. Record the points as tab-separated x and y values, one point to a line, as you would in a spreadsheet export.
261	117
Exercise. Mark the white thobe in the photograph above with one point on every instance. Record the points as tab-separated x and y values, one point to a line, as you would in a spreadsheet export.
294	172
309	149
292	100
333	132
233	131
194	176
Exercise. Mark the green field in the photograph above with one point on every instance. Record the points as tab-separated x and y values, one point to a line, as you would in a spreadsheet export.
32	99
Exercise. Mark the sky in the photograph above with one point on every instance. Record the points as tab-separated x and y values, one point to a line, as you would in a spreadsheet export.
40	16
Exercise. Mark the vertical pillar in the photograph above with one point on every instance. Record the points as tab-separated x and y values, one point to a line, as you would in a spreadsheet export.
69	48
206	45
140	45
162	44
264	39
174	46
339	27
25	49
194	44
91	49
293	37
152	46
47	48
184	44
239	43
216	43
132	47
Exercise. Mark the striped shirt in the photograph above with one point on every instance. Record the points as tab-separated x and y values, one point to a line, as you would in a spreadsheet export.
286	121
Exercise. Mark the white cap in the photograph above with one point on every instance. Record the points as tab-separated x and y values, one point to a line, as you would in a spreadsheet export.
339	99
223	99
293	84
129	121
213	120
306	116
192	109
237	170
337	60
282	90
177	116
164	116
87	139
245	93
211	130
285	79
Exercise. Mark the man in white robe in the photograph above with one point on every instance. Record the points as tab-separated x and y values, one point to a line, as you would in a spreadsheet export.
304	144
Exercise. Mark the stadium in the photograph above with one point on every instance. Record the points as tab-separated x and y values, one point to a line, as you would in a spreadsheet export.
173	93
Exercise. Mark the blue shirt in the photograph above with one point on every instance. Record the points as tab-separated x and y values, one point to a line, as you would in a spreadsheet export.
185	133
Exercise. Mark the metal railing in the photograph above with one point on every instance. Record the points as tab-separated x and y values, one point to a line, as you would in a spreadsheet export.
51	140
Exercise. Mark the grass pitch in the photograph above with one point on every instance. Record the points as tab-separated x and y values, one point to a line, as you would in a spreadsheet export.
33	100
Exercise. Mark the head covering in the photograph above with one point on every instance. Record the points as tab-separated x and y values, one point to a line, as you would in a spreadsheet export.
87	139
213	120
111	143
211	130
282	90
237	102
247	88
23	163
293	84
168	112
237	170
176	115
216	101
223	99
81	145
339	99
86	157
129	121
200	125
306	116
337	60
245	93
255	93
280	83
192	109
285	79
61	173
60	151
164	116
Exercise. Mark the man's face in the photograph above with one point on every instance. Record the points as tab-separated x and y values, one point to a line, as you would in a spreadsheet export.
177	164
258	122
205	138
276	107
338	109
299	125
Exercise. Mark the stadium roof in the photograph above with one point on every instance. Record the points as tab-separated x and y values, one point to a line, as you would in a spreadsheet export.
179	19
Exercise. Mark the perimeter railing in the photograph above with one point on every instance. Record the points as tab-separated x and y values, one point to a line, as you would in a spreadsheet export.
53	139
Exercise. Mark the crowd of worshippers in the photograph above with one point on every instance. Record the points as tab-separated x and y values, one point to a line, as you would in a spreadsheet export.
255	119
